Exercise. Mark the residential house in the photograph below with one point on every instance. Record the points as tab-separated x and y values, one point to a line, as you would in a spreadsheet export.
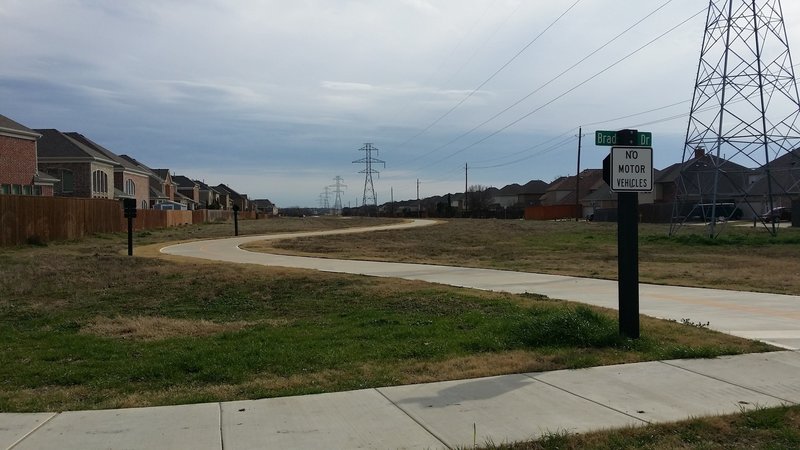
19	172
692	183
562	190
780	179
208	196
155	184
229	197
129	181
264	206
81	171
187	187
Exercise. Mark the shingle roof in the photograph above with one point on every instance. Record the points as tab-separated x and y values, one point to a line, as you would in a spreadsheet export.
123	162
55	144
8	124
184	182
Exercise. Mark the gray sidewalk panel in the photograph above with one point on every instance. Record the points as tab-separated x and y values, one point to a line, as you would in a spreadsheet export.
501	409
656	392
776	374
191	427
14	427
343	420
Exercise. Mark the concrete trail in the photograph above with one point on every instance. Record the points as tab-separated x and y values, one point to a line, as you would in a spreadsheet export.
770	318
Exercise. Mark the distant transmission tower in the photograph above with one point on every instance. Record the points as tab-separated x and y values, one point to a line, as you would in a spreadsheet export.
325	201
337	189
743	124
370	198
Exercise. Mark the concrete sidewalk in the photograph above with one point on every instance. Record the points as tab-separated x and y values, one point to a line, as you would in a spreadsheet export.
437	415
460	413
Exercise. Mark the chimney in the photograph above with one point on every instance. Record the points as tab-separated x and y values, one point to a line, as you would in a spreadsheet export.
699	152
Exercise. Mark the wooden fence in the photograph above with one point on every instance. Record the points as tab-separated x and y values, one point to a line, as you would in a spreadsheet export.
41	219
29	219
553	212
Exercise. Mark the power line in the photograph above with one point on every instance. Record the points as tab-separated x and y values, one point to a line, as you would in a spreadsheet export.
568	91
553	79
491	77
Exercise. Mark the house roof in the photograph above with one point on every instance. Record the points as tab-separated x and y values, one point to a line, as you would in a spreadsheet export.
699	176
55	144
163	174
184	182
784	175
124	163
590	180
12	127
224	189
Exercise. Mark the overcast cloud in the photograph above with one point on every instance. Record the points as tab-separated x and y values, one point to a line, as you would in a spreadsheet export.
276	97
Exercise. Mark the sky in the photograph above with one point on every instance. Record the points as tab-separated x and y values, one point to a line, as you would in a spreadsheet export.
275	98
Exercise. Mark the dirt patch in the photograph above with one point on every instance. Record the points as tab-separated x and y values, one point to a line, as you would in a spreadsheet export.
157	328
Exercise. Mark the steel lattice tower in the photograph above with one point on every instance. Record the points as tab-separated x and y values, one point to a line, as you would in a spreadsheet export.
370	198
337	189
743	116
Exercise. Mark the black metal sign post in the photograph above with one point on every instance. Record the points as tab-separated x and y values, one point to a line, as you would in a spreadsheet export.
236	220
628	263
628	170
129	206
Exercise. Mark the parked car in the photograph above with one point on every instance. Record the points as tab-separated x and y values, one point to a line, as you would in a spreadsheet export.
725	211
778	214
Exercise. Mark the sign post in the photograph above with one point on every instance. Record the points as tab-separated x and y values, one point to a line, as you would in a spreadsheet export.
236	220
628	170
129	208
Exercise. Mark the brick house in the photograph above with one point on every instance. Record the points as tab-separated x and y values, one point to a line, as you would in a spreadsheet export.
88	170
19	173
229	197
129	180
187	187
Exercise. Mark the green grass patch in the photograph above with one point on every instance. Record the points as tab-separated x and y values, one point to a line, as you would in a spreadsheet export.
761	428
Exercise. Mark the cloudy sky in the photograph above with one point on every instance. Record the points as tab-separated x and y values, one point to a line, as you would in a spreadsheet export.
276	97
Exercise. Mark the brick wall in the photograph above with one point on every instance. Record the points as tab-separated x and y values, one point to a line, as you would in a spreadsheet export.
17	161
81	175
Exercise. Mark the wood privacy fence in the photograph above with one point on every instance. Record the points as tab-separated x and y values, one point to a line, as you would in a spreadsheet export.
551	212
28	219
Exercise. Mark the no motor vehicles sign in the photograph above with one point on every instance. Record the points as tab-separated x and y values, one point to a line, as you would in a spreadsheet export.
631	169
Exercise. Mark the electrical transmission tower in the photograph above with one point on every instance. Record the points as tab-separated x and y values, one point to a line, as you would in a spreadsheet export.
742	135
337	189
325	201
370	198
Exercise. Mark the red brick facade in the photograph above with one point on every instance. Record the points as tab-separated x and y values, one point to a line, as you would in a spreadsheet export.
17	161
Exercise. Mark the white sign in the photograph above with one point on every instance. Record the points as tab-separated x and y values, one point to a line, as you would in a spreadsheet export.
631	169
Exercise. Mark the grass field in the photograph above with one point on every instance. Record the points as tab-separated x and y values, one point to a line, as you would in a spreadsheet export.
82	326
741	258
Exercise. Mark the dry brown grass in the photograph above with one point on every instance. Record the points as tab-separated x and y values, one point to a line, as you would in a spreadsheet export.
156	328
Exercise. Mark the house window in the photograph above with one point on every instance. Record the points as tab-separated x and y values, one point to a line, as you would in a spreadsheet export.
5	189
144	204
99	182
130	187
16	189
67	181
27	189
37	190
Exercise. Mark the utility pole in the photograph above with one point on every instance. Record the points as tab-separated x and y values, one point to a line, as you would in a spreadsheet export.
419	204
466	184
578	209
391	202
368	160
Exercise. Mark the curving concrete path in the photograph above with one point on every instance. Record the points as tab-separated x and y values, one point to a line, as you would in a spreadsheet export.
771	318
457	414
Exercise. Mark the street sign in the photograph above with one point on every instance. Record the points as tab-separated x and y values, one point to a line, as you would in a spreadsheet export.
609	138
631	169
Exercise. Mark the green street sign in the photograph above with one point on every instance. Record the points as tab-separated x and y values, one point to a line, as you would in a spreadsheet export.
609	138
